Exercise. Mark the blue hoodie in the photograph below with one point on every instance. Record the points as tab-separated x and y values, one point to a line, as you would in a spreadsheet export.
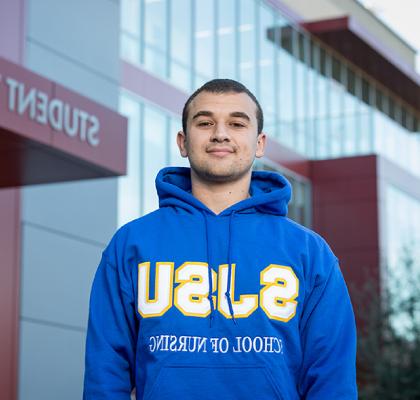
246	304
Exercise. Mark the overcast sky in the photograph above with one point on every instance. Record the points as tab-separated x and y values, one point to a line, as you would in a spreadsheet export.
403	16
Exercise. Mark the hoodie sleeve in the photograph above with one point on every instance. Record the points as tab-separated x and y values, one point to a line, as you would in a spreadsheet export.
111	337
328	335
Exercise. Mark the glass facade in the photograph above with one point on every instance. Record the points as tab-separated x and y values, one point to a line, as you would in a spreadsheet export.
402	226
402	252
151	146
315	101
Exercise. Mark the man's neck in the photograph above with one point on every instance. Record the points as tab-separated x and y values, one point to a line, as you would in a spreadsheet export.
218	196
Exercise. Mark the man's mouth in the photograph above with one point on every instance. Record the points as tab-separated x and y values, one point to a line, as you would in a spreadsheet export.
220	151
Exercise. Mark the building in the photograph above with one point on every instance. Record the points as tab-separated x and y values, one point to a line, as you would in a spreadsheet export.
342	107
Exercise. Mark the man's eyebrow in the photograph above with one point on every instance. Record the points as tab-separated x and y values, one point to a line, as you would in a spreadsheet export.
202	113
235	114
240	114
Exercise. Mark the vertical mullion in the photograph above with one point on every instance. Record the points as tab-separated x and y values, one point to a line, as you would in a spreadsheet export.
358	116
216	38
410	117
385	107
294	84
141	155
328	125
412	140
402	142
343	79
257	22
168	39
280	110
317	66
372	103
306	121
142	31
237	39
276	75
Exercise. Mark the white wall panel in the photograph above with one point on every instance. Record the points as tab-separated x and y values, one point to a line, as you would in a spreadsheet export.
86	32
86	209
56	277
51	362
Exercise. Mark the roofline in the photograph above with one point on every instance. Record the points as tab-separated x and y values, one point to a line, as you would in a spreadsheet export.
388	28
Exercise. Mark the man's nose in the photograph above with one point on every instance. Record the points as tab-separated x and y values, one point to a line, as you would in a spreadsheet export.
220	133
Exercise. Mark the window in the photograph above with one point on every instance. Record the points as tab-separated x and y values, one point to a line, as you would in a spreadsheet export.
227	34
180	43
154	153
129	185
403	245
151	146
247	43
156	36
130	31
204	43
267	69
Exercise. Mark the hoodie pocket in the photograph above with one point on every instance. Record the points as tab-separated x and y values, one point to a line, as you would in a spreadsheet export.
224	382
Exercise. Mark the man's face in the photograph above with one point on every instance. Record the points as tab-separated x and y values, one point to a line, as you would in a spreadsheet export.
221	141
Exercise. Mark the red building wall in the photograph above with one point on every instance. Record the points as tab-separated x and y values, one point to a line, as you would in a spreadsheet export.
345	213
9	290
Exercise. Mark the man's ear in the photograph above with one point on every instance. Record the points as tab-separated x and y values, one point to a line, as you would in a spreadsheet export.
181	139
261	143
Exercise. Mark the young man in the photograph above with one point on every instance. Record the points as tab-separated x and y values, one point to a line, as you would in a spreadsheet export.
217	294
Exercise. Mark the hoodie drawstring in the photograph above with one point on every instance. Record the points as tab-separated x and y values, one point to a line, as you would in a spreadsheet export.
229	280
210	295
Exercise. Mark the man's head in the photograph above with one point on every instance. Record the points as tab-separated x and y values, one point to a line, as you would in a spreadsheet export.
223	86
222	132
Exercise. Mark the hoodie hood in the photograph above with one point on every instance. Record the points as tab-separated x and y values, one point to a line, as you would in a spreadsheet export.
270	192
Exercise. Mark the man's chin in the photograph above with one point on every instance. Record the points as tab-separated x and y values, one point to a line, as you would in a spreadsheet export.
220	176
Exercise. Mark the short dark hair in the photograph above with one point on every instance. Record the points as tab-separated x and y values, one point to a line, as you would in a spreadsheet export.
223	86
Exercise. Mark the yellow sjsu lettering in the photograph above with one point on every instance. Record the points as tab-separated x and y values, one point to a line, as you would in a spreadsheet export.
277	297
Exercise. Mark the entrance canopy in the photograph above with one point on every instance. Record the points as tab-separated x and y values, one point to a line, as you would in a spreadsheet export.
51	134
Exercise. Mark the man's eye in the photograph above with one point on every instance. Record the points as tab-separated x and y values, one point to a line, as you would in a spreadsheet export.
237	125
204	123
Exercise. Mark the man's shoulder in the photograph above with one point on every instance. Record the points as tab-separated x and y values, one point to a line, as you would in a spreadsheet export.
299	229
303	236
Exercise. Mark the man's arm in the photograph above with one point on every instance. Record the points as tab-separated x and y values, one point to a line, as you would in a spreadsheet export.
111	337
328	336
